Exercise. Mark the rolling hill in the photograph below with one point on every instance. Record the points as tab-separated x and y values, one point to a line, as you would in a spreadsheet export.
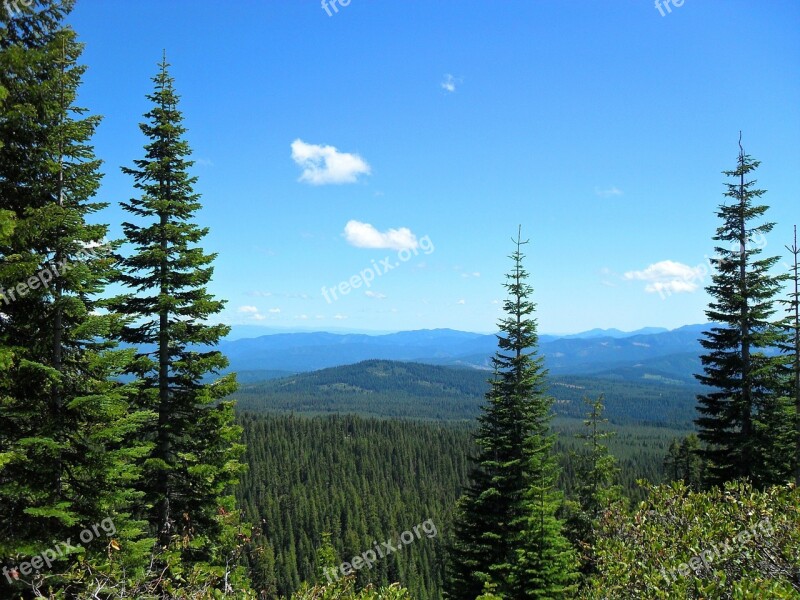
411	390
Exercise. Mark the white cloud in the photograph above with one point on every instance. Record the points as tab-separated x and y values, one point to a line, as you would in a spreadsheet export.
609	192
252	313
668	277
340	317
275	310
325	164
376	295
364	235
259	294
449	83
462	301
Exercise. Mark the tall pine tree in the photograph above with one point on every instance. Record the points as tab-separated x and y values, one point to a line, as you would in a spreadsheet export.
507	536
743	407
792	348
63	416
196	446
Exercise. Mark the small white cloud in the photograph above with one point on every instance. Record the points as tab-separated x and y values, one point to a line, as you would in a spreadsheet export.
258	317
462	301
340	317
609	192
274	310
376	295
364	235
668	277
325	164
449	83
248	309
301	317
259	294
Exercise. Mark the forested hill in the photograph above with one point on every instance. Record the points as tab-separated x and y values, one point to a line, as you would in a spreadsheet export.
383	388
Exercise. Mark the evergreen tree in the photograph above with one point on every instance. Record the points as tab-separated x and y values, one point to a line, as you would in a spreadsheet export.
684	463
506	530
792	348
63	467
195	455
739	413
595	488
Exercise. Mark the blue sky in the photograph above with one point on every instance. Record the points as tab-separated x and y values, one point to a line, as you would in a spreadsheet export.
425	132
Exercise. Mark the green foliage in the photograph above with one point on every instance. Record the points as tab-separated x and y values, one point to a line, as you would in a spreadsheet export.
63	415
363	480
791	347
684	462
744	419
596	487
194	457
506	528
749	540
345	590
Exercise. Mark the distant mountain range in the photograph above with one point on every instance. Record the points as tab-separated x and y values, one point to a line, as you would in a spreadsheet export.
646	354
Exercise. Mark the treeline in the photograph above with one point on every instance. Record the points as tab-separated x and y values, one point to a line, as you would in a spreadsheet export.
365	480
362	481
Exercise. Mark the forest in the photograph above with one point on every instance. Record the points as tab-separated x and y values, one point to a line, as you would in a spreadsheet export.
133	465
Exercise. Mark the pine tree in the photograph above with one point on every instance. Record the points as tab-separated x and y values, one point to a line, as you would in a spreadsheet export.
506	531
195	458
792	348
684	463
63	416
596	488
739	413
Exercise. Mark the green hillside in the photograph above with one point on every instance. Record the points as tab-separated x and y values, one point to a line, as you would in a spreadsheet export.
419	391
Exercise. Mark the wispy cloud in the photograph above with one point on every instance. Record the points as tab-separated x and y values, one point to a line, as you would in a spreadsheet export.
325	164
376	295
668	277
449	83
462	301
608	192
364	235
252	313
